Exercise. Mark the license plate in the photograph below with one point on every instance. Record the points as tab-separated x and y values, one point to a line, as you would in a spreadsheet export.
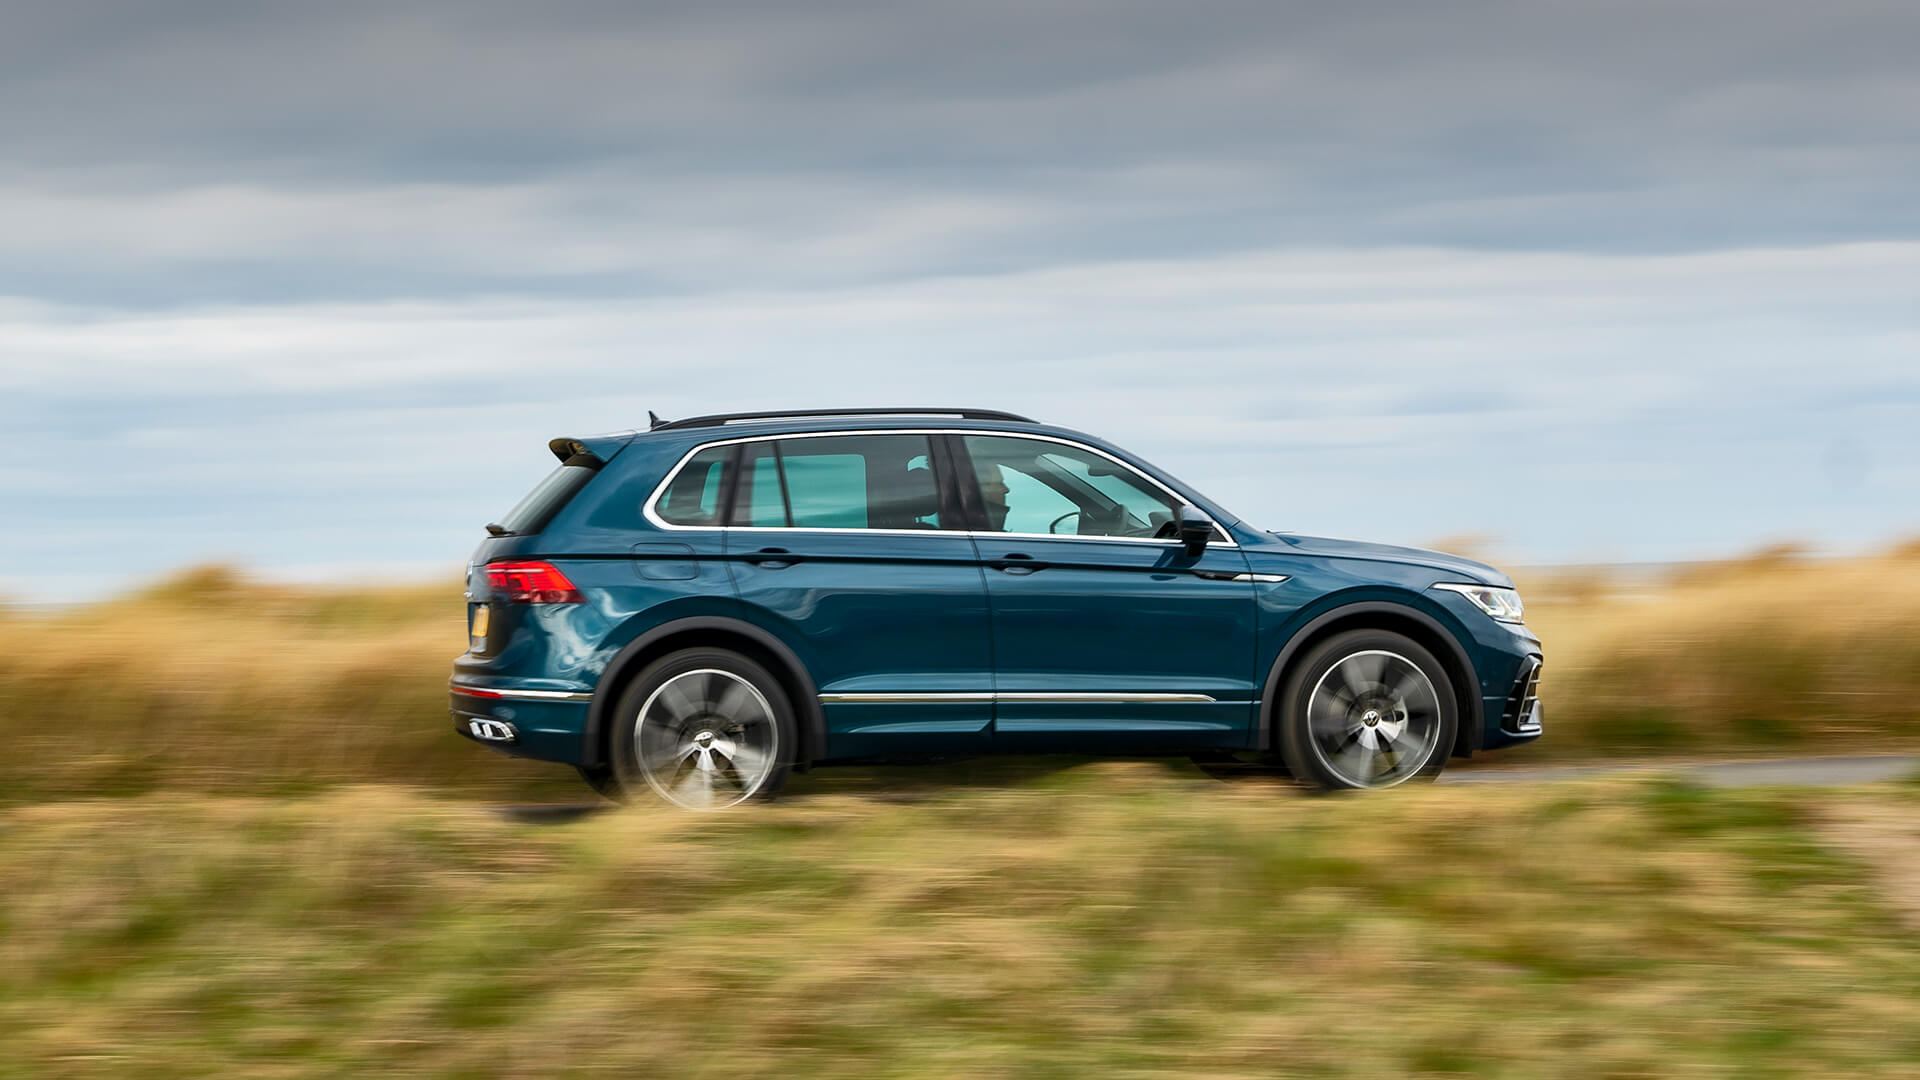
481	621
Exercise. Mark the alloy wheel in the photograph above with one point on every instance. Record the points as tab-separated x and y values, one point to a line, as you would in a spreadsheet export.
706	739
1374	719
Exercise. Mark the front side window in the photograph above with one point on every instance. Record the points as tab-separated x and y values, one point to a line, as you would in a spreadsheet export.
838	482
1033	486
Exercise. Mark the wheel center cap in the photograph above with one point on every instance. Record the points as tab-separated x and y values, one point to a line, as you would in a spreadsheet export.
1372	718
704	739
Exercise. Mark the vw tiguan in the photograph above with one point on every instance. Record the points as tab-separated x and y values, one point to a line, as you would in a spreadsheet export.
698	609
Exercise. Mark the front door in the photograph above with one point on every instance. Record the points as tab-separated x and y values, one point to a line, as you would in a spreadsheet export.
1105	636
853	542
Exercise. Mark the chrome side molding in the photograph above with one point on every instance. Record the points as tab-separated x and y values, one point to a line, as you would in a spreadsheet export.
1067	697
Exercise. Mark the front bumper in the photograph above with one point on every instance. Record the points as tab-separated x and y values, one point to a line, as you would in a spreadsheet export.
1519	717
1506	659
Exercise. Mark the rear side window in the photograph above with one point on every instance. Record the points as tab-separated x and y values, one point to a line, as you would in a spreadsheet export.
544	501
839	482
827	490
694	496
761	501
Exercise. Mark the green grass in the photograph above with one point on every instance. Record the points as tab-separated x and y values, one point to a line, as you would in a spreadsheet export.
253	900
1108	920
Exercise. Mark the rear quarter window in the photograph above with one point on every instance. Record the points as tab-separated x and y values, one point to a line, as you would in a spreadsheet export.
694	496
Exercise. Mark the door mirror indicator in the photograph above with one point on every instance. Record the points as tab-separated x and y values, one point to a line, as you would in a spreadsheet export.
1195	529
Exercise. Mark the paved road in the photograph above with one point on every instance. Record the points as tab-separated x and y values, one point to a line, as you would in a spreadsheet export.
1810	771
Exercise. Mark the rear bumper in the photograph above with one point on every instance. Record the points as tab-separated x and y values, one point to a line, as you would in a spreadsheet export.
543	722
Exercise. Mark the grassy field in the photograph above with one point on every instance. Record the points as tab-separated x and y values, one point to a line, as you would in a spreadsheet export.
210	682
290	875
1765	654
1110	920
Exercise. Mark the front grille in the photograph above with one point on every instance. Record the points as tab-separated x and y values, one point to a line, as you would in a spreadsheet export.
1521	713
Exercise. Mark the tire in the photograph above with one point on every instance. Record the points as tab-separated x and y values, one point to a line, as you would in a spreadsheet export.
1227	765
601	779
702	729
1367	709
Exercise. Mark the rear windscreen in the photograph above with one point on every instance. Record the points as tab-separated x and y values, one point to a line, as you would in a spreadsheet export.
545	500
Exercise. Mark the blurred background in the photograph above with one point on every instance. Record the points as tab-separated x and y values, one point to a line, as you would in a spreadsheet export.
308	287
1624	297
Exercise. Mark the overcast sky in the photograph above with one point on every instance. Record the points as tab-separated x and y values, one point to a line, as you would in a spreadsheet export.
307	286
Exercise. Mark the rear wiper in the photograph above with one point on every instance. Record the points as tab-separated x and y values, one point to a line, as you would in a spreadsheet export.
494	529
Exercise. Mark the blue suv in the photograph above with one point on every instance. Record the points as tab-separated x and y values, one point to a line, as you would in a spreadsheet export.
700	608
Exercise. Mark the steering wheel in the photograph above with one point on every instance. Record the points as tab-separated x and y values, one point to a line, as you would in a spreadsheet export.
1052	526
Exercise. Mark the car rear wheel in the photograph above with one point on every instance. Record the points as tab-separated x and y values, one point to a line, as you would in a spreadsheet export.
601	779
1367	709
703	729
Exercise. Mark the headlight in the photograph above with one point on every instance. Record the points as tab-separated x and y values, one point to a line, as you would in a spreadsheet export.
1503	605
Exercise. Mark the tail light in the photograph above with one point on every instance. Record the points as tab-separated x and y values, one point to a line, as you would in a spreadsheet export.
531	583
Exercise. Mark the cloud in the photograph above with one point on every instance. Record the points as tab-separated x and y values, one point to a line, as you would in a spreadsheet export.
1553	400
312	283
276	152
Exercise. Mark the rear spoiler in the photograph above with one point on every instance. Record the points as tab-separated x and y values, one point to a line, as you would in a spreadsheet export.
592	451
544	501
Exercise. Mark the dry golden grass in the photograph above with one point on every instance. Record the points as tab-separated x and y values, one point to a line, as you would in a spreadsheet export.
1771	652
209	681
1078	926
212	682
1107	920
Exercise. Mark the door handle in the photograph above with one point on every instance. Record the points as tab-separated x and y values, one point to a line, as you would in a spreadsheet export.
772	558
1017	562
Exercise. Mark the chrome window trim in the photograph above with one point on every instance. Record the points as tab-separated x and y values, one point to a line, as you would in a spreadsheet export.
1067	697
650	508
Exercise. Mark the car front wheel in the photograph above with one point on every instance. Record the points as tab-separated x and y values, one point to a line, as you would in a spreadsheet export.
1367	709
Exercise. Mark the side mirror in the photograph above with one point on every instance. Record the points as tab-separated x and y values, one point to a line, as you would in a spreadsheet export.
1195	529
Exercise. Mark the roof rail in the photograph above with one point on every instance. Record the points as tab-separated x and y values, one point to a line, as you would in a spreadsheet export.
718	419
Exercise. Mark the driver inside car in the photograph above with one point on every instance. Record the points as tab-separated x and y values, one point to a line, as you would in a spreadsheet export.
993	493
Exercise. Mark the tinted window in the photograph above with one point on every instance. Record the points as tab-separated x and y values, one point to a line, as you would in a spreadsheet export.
1031	486
840	482
760	500
1031	506
694	496
533	512
827	491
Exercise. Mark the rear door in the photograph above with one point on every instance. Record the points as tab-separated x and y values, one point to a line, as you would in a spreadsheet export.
854	542
1105	637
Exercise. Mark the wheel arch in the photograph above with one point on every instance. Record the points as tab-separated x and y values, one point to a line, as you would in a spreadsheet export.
715	631
1400	618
